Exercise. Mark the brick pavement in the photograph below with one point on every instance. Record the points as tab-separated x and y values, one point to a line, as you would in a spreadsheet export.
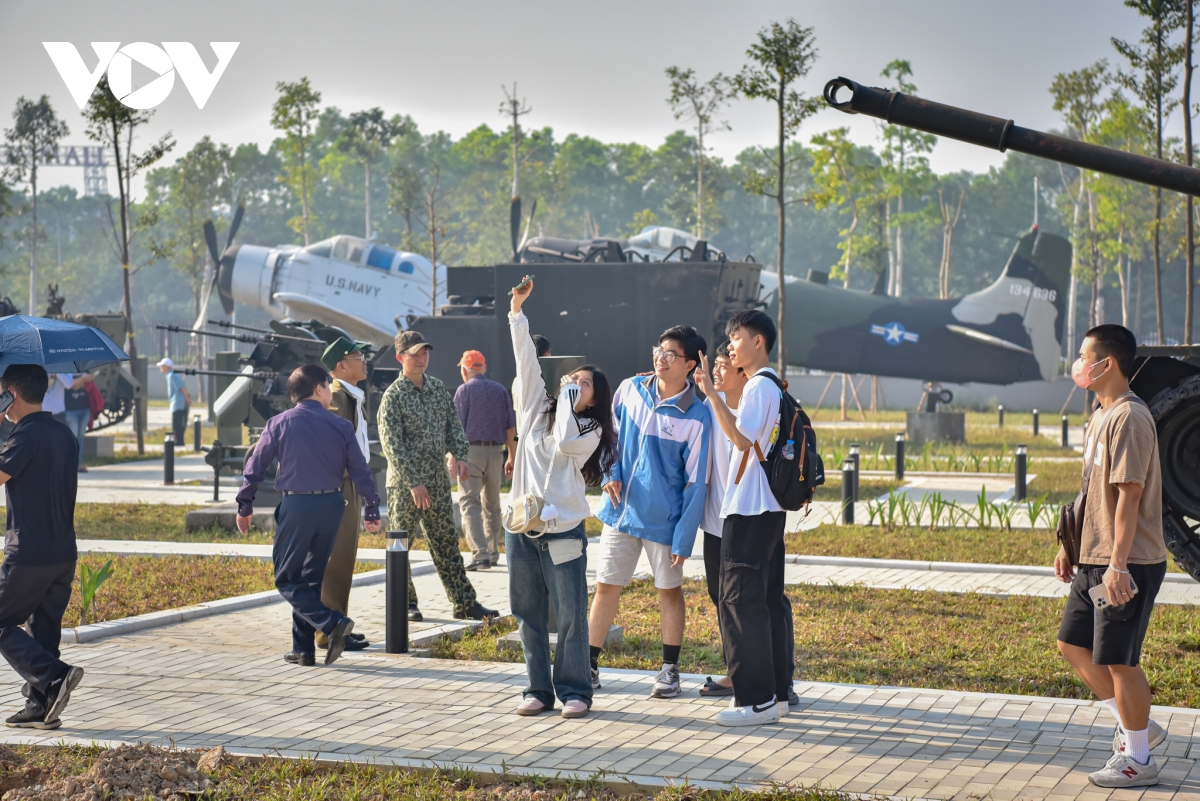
221	680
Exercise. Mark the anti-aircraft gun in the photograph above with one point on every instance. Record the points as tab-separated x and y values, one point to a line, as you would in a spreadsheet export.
258	391
1167	378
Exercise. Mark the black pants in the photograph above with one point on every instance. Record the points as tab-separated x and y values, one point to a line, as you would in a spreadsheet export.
179	425
34	597
755	615
306	527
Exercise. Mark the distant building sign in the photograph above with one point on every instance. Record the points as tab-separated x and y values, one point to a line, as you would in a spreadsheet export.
92	159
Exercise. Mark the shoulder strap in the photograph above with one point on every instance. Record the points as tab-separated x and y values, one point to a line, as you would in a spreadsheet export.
746	460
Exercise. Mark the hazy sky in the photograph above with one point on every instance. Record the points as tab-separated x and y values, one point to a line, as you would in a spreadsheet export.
587	68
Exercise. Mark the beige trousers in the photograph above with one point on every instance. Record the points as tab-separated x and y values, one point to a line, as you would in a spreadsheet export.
480	501
339	571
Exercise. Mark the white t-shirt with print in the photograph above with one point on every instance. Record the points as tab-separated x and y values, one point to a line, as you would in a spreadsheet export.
757	420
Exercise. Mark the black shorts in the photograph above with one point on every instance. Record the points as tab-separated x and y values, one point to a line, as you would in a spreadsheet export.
1114	634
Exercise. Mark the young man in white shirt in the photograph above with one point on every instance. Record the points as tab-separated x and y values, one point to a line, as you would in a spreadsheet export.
754	612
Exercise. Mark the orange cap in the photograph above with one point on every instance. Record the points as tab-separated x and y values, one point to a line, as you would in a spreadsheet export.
473	360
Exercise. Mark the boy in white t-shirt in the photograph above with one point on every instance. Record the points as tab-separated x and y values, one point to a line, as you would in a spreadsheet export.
729	382
754	612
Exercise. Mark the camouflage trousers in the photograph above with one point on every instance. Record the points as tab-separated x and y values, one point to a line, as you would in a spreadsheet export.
437	524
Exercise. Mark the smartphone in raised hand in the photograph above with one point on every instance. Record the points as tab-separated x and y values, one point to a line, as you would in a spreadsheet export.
528	279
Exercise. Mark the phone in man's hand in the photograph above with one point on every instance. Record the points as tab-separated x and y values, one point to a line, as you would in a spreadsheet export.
1100	597
6	400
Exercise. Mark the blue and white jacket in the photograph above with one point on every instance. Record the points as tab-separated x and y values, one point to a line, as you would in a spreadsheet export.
663	465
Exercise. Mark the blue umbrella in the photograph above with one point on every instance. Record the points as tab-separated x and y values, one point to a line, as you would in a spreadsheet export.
59	346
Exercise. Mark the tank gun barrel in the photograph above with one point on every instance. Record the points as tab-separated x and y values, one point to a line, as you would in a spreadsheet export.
181	330
897	108
239	337
225	324
229	373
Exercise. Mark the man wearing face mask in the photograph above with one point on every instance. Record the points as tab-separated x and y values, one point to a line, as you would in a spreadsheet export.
1122	549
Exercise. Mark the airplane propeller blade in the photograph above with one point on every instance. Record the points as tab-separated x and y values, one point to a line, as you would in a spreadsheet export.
210	237
233	228
528	225
514	223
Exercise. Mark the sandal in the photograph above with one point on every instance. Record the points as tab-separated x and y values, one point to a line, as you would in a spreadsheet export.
713	690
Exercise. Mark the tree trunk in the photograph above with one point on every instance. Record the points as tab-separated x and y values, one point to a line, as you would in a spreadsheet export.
126	296
1158	132
782	155
900	248
700	181
304	190
367	168
1190	224
891	250
33	236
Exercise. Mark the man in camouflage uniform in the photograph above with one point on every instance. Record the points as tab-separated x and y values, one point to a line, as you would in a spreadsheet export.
418	426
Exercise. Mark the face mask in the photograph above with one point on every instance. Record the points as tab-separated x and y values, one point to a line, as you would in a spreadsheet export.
1081	373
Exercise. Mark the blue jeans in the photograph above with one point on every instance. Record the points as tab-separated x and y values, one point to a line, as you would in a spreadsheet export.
533	579
77	420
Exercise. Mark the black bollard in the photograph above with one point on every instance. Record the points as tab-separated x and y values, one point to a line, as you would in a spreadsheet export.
1066	431
396	600
899	457
1019	466
169	460
196	433
1035	422
854	454
848	491
1000	409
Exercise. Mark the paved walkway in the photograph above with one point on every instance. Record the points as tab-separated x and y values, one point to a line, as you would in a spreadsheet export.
220	680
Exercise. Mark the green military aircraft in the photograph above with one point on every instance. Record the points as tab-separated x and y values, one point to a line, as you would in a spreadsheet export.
1011	331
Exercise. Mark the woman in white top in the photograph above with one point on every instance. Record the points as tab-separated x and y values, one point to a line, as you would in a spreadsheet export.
563	446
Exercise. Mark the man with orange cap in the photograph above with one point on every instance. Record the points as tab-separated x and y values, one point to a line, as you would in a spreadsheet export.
487	416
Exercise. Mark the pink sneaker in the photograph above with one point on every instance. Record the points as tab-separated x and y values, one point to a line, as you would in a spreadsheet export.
574	709
531	706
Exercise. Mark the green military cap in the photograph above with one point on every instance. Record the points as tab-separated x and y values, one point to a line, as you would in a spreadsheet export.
410	342
340	349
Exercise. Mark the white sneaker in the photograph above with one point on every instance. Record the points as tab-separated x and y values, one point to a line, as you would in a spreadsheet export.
1155	734
666	683
749	715
1123	770
782	706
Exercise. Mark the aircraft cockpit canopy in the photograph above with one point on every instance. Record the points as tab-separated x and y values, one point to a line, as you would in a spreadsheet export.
658	238
351	249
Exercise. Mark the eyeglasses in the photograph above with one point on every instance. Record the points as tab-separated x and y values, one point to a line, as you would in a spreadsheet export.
355	357
667	356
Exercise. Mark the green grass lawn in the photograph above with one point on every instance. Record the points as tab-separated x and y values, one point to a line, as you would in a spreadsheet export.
896	637
1020	546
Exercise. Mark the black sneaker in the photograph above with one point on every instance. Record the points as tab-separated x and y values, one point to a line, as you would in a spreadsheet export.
793	699
414	614
299	658
31	719
59	692
477	612
479	564
337	640
354	635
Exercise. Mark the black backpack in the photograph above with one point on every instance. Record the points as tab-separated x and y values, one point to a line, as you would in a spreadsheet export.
793	479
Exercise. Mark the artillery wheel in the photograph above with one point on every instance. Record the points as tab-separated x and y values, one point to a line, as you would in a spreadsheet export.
110	417
1177	414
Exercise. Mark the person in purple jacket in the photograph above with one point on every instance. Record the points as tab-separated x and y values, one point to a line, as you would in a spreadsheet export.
315	449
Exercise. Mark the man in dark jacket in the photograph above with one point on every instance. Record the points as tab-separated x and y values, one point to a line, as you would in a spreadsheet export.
38	467
315	450
345	362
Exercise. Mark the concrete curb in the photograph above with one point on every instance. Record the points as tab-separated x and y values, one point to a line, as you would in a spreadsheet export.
167	617
948	567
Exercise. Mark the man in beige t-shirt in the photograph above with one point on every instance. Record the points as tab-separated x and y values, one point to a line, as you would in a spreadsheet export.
1122	550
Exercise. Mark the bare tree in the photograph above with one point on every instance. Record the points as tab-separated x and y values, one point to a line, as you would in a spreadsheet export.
700	103
34	135
949	223
783	54
113	124
1189	255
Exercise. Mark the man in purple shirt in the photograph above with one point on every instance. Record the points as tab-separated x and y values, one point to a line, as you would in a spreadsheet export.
315	449
486	412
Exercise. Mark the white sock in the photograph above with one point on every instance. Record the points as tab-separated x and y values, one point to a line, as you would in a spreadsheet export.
1138	743
1111	705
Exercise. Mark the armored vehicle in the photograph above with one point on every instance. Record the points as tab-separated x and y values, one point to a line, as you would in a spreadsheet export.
1167	378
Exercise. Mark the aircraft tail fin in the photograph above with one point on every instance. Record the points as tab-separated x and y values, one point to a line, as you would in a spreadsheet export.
1033	287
